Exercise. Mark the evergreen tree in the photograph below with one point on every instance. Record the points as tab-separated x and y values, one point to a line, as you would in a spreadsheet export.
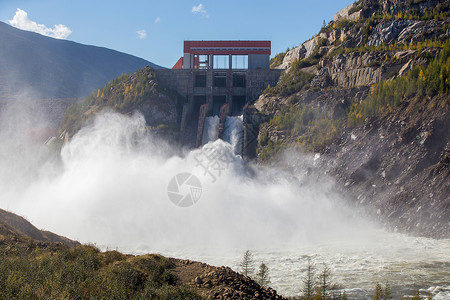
262	277
247	264
308	281
387	291
324	281
379	294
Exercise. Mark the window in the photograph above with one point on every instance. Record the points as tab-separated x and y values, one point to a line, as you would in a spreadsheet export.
239	62
221	62
220	79
238	80
200	80
201	61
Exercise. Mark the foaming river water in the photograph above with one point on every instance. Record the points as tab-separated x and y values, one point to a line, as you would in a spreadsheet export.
407	263
118	186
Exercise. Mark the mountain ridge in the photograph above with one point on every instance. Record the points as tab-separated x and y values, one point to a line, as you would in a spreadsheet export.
53	68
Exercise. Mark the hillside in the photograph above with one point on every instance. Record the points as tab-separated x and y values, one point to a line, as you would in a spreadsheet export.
127	94
42	67
369	96
38	264
14	226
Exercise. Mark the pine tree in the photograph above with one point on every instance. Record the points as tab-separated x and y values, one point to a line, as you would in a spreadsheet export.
387	291
324	281
379	295
262	277
308	281
247	264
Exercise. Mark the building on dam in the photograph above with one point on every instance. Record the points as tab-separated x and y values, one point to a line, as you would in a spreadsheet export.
218	78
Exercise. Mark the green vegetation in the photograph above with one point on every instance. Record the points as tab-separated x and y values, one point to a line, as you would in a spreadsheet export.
391	47
292	81
310	128
357	6
56	272
318	286
385	96
278	59
262	277
247	264
382	294
122	94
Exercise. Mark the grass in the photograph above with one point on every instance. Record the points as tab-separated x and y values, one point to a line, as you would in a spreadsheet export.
56	272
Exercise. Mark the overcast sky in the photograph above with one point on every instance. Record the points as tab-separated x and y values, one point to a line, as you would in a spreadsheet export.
155	30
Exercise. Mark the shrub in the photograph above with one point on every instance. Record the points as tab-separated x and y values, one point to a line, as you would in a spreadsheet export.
386	95
292	81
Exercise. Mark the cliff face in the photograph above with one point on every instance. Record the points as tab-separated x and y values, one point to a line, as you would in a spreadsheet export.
379	124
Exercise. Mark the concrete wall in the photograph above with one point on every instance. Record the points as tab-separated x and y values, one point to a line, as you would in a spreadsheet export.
183	81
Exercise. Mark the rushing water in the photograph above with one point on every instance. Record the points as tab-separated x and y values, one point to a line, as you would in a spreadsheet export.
407	263
112	188
210	129
233	133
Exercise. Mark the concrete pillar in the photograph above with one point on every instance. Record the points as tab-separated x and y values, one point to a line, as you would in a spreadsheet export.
230	61
211	61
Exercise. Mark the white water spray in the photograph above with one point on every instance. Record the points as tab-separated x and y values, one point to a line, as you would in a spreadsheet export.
210	130
233	133
112	190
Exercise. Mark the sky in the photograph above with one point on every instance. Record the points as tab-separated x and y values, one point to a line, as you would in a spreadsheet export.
155	30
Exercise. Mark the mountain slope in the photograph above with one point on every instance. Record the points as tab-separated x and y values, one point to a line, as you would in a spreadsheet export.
16	226
51	68
370	96
37	264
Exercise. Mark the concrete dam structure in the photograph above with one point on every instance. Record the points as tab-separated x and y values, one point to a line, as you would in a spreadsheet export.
218	80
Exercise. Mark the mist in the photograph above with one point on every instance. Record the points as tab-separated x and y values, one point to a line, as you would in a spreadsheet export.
110	187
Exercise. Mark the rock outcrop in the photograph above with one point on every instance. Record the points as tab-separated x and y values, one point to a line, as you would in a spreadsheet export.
395	165
220	282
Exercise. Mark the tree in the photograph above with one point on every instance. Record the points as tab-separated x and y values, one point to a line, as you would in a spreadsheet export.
262	277
247	264
416	296
324	281
387	291
379	294
308	281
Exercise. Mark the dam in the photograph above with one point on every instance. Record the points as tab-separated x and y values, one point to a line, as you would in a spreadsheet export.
217	81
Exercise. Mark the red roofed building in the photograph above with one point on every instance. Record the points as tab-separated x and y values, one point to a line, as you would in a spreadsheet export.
225	55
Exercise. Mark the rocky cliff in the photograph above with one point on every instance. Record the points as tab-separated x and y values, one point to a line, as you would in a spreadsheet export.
369	95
